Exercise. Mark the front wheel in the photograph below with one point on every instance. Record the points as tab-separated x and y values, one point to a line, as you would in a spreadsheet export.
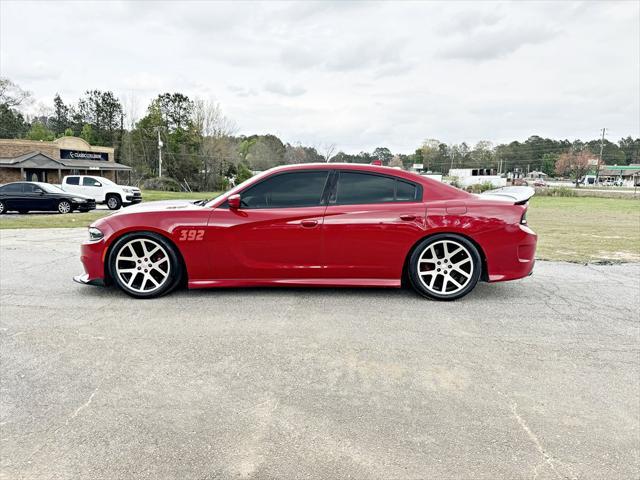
445	267
3	207
114	202
64	206
144	265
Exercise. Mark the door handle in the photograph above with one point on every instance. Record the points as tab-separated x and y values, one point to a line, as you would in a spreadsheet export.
407	217
309	223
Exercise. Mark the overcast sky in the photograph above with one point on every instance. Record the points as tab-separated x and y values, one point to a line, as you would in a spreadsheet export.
359	75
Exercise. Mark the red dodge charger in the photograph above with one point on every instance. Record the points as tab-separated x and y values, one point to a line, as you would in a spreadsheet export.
318	225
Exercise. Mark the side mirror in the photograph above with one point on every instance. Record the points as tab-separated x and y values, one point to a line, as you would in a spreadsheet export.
234	201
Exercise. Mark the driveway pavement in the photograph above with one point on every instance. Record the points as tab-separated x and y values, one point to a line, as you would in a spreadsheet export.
537	378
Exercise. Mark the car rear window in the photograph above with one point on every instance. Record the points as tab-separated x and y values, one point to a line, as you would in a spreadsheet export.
73	181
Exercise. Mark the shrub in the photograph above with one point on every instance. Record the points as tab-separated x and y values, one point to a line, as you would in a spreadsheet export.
166	184
480	187
455	182
556	192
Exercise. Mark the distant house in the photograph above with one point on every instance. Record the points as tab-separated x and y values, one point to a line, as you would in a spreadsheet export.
628	174
537	175
49	161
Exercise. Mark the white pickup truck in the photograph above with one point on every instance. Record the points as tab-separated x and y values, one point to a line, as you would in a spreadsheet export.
102	189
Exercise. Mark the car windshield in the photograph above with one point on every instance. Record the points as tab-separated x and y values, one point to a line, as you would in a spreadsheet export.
47	187
240	186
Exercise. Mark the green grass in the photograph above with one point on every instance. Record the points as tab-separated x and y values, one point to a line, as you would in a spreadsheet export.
51	220
577	229
586	229
153	195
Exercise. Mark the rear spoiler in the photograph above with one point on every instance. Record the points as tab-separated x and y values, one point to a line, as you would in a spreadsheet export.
518	195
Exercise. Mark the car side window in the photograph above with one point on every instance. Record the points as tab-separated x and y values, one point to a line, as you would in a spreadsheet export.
12	188
73	181
406	192
356	188
31	188
90	182
288	190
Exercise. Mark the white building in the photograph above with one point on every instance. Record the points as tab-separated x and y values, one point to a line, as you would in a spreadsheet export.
474	176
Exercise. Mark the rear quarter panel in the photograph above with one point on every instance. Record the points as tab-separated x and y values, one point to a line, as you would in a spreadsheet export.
494	226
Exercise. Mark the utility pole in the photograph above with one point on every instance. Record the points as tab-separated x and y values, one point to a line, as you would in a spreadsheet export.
159	153
604	130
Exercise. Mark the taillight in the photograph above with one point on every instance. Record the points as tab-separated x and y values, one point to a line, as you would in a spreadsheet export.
523	219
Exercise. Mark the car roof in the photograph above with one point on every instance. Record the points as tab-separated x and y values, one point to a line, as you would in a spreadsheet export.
364	167
437	190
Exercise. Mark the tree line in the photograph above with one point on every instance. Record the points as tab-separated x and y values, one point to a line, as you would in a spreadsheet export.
202	150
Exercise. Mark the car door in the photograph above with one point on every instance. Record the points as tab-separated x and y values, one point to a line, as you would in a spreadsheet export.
35	198
93	188
72	184
275	234
12	196
370	223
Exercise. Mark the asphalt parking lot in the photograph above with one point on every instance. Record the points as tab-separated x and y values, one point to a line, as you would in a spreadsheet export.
537	378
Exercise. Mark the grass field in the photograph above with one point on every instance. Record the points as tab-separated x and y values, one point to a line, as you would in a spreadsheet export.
586	229
576	229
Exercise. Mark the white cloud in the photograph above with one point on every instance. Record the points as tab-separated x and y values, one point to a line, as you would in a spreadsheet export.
357	74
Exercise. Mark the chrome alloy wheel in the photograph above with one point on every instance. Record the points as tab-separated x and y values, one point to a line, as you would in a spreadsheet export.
445	267
112	203
64	207
143	265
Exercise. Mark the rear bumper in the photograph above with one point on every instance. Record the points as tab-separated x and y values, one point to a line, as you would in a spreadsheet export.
513	258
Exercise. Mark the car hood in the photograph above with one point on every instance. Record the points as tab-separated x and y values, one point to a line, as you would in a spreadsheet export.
74	195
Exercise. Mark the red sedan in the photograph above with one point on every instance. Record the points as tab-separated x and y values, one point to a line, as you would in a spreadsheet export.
318	225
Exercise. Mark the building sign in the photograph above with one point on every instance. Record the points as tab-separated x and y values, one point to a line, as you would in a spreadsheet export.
78	155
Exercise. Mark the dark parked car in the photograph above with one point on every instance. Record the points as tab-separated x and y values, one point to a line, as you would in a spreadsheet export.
28	196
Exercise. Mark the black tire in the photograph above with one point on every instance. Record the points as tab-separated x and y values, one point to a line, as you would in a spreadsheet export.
3	207
174	274
64	206
114	202
452	271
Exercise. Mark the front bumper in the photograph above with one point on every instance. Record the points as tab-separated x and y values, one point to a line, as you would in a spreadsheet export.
85	206
134	198
92	258
84	279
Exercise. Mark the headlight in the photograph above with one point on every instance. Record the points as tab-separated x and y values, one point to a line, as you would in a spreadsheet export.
95	234
128	190
79	200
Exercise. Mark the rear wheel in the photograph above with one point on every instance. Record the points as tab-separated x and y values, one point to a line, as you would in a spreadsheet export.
64	206
114	202
144	265
445	267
